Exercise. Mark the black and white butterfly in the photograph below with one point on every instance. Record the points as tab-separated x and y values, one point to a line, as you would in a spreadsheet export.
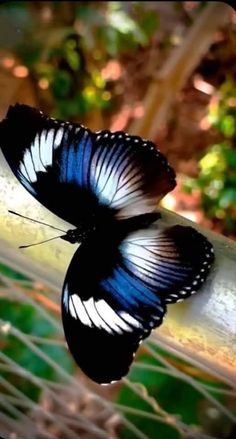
125	272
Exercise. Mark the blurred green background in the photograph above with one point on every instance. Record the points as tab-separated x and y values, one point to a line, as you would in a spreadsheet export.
95	63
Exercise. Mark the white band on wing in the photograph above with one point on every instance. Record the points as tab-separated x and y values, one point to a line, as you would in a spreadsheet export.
101	315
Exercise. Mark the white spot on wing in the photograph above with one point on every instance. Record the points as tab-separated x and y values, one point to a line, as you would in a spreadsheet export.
77	310
46	146
23	171
94	316
58	138
72	309
35	155
113	320
129	319
29	166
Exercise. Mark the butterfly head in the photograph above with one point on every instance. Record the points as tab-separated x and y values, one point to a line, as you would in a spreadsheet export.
77	235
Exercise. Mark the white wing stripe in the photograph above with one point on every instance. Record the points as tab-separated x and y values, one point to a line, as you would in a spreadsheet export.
23	171
129	319
29	166
113	320
36	156
101	315
46	146
94	316
77	310
58	138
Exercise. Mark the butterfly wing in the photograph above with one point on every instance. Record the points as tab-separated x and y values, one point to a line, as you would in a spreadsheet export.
175	260
112	300
58	162
106	311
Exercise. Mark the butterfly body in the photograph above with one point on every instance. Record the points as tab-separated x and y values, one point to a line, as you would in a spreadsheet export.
125	271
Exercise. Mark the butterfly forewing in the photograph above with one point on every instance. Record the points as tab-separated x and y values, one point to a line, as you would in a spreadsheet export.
59	162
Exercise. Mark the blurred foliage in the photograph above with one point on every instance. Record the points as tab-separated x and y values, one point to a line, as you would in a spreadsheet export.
217	177
73	42
24	317
173	395
7	271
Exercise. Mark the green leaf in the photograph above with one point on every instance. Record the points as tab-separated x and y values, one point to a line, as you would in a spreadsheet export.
230	156
9	272
61	84
227	198
227	126
149	23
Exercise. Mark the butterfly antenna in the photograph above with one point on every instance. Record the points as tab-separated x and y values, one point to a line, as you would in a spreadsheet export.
38	243
35	221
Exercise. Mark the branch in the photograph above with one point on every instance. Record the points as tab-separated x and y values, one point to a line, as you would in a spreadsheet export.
178	67
202	328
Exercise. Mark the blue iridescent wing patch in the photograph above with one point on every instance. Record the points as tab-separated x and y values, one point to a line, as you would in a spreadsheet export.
58	162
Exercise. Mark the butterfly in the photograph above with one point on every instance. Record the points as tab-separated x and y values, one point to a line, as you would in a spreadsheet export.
126	270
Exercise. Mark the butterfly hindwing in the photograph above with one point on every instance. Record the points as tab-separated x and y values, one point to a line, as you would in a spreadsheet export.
112	300
58	162
196	256
174	261
106	310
